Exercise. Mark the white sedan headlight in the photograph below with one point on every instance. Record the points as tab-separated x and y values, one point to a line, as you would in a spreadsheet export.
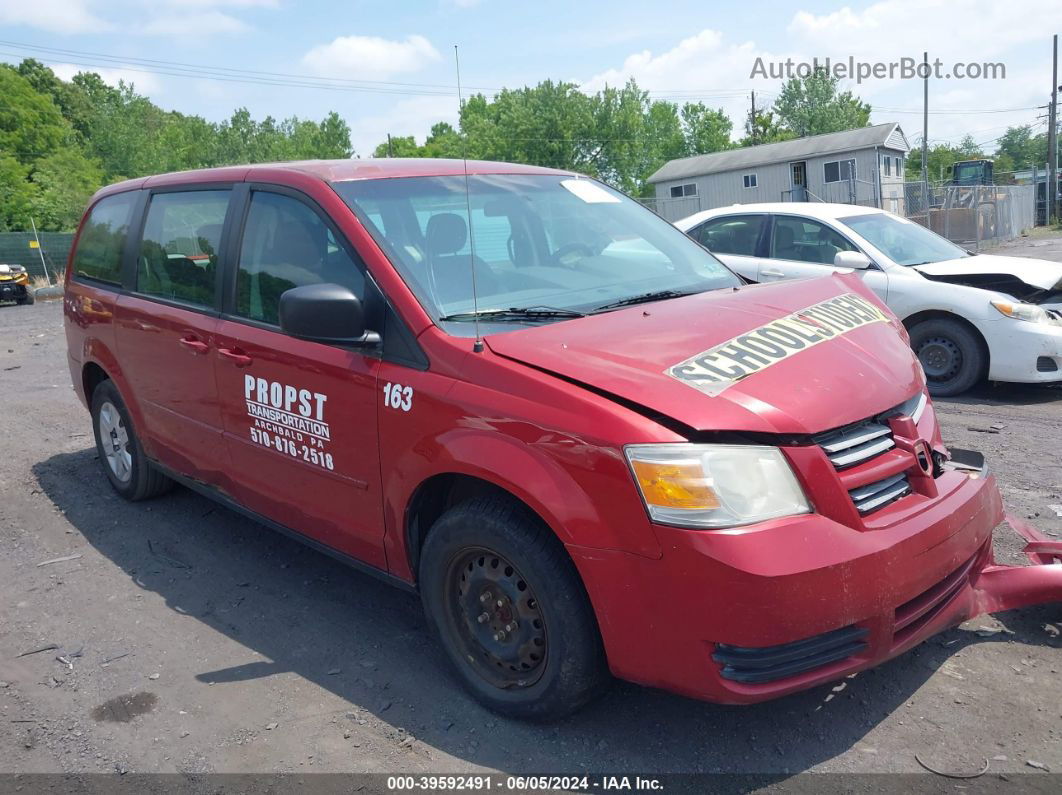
715	485
1023	311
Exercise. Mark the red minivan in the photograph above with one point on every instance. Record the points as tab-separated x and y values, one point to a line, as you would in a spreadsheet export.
590	446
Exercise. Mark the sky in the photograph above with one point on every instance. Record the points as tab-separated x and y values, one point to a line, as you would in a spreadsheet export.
389	66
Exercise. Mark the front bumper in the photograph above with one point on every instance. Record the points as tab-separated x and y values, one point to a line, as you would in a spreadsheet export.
1022	352
12	291
719	605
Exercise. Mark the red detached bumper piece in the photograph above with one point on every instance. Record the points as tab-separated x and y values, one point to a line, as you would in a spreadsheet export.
755	613
1005	587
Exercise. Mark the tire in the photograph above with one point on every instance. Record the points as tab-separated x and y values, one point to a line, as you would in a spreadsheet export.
551	661
950	354
120	453
27	299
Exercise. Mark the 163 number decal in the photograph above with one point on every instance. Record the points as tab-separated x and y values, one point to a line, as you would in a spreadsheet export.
397	396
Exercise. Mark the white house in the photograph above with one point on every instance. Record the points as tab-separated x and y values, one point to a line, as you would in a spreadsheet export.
861	166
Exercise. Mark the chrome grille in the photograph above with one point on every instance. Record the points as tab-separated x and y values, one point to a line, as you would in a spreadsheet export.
876	495
855	444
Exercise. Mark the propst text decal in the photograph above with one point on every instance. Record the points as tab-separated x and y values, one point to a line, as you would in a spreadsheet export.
288	420
717	368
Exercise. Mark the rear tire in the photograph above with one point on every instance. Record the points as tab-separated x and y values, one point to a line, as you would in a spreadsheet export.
120	453
510	611
950	354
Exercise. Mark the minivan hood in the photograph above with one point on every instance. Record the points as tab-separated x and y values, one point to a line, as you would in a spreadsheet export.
1017	276
648	355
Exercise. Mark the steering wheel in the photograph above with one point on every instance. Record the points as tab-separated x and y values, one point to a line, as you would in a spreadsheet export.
572	248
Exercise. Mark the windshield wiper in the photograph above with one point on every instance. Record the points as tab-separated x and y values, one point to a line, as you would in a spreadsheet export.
644	298
516	313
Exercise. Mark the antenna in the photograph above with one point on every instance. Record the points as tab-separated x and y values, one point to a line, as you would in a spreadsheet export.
477	346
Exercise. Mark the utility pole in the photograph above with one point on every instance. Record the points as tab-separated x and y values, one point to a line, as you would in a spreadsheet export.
1052	139
752	120
389	154
925	119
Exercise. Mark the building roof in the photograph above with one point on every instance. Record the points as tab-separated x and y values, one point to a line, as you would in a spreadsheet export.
783	152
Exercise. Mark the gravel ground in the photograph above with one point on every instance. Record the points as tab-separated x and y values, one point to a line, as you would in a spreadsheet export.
187	638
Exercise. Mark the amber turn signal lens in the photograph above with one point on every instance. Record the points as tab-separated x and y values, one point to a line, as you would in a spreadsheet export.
675	485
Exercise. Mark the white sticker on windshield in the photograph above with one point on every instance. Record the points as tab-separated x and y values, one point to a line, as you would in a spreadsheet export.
589	192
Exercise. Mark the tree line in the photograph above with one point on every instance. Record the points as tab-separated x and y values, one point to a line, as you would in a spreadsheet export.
61	140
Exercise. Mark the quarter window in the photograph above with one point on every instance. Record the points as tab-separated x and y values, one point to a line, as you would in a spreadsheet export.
735	234
681	191
286	244
749	180
838	170
804	240
99	249
178	256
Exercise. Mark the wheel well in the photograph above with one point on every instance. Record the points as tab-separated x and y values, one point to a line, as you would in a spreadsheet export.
91	377
939	314
435	496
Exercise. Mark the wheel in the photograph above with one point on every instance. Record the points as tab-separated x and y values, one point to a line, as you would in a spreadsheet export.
950	354
27	299
510	611
120	453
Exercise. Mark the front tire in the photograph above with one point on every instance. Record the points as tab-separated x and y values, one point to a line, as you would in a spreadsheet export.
27	299
510	611
119	449
950	354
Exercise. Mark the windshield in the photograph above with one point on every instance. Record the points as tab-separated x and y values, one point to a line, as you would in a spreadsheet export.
903	241
541	243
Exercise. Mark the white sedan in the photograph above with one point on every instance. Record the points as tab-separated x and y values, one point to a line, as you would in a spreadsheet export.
970	316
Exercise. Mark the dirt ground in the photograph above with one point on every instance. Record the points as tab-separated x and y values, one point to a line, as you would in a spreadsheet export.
187	638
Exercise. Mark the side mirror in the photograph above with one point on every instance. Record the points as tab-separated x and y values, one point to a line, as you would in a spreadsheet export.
326	313
851	259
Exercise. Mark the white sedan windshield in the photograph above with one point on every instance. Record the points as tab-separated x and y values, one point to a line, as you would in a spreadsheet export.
903	241
539	242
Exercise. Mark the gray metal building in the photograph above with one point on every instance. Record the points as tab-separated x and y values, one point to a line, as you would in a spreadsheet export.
861	166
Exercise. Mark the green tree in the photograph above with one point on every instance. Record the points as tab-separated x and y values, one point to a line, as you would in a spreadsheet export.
705	129
812	105
764	129
1024	149
16	194
65	181
31	126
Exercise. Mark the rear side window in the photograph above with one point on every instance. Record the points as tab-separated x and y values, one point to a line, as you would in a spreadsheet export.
735	234
179	252
287	244
99	249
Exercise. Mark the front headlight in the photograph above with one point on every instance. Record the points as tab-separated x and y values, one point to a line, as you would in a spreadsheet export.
1022	311
715	485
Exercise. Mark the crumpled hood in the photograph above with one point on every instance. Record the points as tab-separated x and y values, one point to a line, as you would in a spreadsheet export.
795	357
1039	274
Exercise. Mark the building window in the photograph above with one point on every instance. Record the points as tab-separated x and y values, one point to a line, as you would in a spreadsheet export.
681	191
838	171
749	180
888	166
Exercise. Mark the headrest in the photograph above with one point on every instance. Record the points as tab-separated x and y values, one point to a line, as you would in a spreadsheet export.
447	234
210	238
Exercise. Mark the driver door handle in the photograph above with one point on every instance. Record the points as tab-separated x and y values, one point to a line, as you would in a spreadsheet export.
194	345
236	356
773	272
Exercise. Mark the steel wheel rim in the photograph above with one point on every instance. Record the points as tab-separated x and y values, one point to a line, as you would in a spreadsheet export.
496	618
114	439
941	358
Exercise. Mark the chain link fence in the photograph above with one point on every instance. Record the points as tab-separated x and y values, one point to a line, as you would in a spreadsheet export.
972	216
16	248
